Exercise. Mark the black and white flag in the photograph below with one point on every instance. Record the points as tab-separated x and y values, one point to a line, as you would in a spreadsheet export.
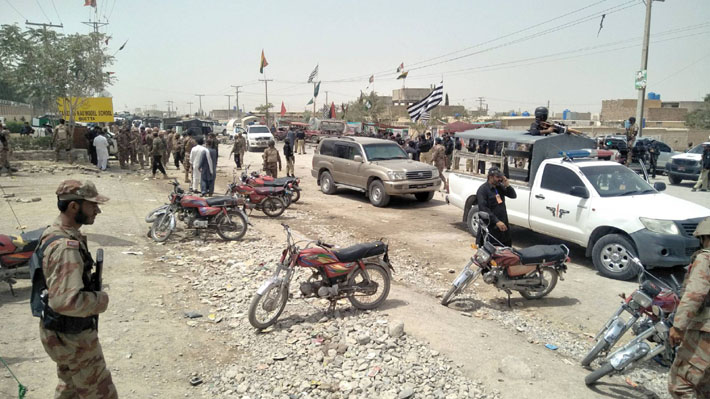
427	103
313	75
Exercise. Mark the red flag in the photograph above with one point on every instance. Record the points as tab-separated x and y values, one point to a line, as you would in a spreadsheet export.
332	111
283	109
90	3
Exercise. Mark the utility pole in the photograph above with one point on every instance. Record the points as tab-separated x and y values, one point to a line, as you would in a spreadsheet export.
170	103
239	112
45	26
190	104
266	94
200	96
644	64
229	105
480	103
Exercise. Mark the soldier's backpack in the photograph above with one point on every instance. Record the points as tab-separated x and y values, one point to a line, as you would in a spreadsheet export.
39	283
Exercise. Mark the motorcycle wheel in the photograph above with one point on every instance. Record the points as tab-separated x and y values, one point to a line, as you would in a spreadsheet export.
595	375
150	217
273	302
456	290
295	196
273	207
449	295
598	348
287	200
550	276
373	273
161	230
232	227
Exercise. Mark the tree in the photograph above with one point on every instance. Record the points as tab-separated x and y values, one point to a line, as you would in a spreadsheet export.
263	108
700	118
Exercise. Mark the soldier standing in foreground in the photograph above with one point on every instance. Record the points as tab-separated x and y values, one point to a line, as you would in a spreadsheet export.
438	156
271	160
186	150
124	144
5	150
690	373
69	305
240	145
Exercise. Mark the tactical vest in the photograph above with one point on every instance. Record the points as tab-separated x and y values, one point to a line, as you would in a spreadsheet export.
39	299
62	133
272	156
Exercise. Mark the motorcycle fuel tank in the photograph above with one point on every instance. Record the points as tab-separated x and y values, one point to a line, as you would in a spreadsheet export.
191	201
319	257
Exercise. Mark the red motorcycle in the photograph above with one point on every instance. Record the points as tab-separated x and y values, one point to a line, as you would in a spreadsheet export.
290	184
15	254
222	214
269	200
357	273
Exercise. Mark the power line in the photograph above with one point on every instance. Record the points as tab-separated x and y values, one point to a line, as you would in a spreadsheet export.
13	7
111	12
42	9
682	69
57	12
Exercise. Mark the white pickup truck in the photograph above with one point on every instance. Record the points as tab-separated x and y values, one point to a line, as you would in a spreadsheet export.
601	205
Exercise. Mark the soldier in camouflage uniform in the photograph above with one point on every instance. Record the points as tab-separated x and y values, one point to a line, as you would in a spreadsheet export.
5	150
123	140
186	149
68	326
690	373
62	141
439	157
272	159
157	151
135	145
178	145
238	149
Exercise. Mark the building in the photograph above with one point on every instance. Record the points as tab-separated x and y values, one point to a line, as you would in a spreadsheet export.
15	112
406	97
654	110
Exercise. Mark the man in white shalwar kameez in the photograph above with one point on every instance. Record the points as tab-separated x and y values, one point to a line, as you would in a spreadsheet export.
101	144
196	155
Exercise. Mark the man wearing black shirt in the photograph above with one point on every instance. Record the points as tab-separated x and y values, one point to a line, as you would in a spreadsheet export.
425	146
491	199
449	145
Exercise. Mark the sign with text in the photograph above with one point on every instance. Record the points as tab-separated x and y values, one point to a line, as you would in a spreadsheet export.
87	109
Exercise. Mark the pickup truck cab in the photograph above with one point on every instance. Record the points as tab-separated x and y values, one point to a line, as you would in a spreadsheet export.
603	206
258	137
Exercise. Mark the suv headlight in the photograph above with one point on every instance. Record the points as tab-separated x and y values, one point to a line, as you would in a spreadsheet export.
396	175
435	173
660	226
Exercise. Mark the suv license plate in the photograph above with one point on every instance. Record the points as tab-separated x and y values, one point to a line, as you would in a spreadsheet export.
418	186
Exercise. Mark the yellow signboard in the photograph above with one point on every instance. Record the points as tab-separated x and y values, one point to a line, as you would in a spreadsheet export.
88	109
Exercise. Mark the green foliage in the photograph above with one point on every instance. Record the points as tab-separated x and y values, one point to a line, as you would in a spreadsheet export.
700	118
263	108
367	108
40	65
14	127
31	143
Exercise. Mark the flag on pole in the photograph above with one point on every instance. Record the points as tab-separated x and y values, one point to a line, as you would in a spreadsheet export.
263	62
316	90
90	3
313	75
123	45
424	117
283	109
332	111
403	75
427	103
310	102
372	78
400	68
368	104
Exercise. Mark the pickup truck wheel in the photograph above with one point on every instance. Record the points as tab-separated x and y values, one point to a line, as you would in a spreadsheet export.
425	196
377	194
471	223
327	185
675	180
612	257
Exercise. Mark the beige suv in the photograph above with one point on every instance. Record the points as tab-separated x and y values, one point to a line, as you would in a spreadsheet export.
380	168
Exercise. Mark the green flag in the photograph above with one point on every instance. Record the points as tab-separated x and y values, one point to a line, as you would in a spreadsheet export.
315	91
310	102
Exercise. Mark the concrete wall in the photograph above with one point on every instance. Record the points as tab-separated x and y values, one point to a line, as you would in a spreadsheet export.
619	110
15	112
666	114
408	96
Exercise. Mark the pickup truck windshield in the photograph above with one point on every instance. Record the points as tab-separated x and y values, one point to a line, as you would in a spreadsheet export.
259	129
616	181
383	152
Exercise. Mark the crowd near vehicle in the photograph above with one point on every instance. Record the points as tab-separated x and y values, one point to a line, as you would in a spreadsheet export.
533	271
15	253
221	214
326	128
360	273
640	151
686	166
258	137
379	168
651	292
567	193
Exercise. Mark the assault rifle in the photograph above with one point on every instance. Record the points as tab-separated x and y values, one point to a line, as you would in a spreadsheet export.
97	277
561	128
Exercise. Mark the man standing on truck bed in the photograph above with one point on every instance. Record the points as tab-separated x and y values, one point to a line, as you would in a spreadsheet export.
491	199
540	127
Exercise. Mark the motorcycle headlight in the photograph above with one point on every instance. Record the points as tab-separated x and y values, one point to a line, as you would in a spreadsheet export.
396	175
482	256
660	226
435	173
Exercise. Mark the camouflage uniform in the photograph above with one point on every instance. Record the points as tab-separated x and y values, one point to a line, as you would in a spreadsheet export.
123	140
62	142
238	149
187	147
631	133
135	146
81	367
5	150
177	150
272	161
690	373
439	158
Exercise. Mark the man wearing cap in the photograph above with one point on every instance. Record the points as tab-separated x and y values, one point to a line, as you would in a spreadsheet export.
272	159
491	199
702	182
69	304
5	150
62	141
690	373
438	156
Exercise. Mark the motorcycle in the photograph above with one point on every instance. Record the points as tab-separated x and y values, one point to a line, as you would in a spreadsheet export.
15	254
533	271
638	305
288	183
357	273
639	348
269	200
222	214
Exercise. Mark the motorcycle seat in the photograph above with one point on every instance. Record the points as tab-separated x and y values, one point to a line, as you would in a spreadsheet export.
224	200
32	235
541	253
266	190
359	251
281	181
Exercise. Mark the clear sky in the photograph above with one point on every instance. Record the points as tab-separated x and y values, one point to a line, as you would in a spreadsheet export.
516	54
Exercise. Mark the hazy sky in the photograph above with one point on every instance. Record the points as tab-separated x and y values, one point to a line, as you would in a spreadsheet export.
516	54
